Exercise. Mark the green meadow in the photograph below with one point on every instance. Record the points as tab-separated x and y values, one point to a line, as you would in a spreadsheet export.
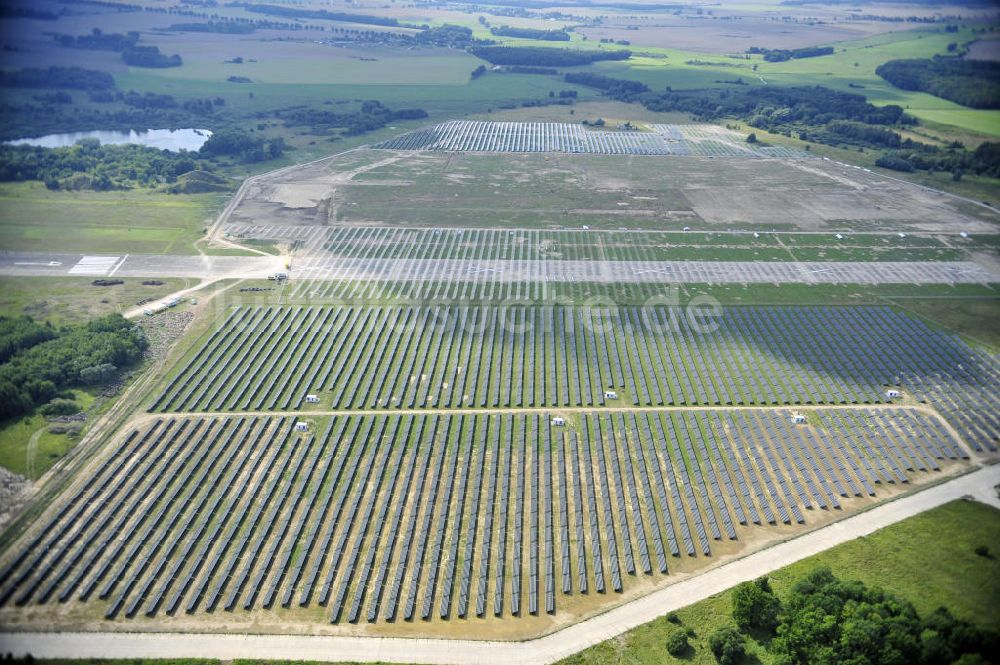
32	218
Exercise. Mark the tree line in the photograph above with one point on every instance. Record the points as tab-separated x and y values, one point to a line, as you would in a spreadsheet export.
321	14
972	83
127	44
781	55
70	78
531	33
541	56
370	116
40	365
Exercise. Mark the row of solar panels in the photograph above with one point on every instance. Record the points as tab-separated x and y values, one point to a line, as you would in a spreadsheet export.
208	512
843	361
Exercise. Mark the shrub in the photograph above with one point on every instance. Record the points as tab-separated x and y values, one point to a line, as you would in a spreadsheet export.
677	643
895	163
727	645
59	407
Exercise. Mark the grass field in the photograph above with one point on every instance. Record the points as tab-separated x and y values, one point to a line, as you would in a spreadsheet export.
33	218
64	300
554	190
29	449
928	559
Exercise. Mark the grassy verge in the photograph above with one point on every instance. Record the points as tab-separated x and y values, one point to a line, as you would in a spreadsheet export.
928	559
33	218
64	300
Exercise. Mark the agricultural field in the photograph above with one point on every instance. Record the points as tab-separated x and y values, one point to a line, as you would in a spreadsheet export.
508	516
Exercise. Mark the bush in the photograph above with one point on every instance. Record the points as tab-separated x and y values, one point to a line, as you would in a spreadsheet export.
59	407
677	643
895	163
727	645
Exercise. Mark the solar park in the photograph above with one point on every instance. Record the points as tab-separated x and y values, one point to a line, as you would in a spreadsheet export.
509	515
411	436
479	136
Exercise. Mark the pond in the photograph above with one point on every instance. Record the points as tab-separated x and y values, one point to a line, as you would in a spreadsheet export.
164	139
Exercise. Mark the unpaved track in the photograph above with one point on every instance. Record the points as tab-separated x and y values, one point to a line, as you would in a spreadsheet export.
980	484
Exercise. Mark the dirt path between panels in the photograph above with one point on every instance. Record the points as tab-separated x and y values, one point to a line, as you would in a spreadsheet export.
979	484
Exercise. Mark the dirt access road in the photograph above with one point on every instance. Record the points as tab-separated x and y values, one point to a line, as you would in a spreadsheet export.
979	484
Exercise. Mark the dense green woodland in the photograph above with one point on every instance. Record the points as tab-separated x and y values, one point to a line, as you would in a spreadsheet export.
90	165
828	621
39	362
973	83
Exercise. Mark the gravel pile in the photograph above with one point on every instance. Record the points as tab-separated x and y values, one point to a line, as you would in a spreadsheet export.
12	493
162	331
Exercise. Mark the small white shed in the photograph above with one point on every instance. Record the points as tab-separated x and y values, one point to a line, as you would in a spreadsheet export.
798	419
610	394
301	427
558	421
312	399
892	393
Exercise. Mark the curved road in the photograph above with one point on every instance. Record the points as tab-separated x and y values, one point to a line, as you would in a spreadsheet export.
980	484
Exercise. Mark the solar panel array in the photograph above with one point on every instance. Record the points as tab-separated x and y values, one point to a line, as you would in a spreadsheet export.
486	136
434	517
390	357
